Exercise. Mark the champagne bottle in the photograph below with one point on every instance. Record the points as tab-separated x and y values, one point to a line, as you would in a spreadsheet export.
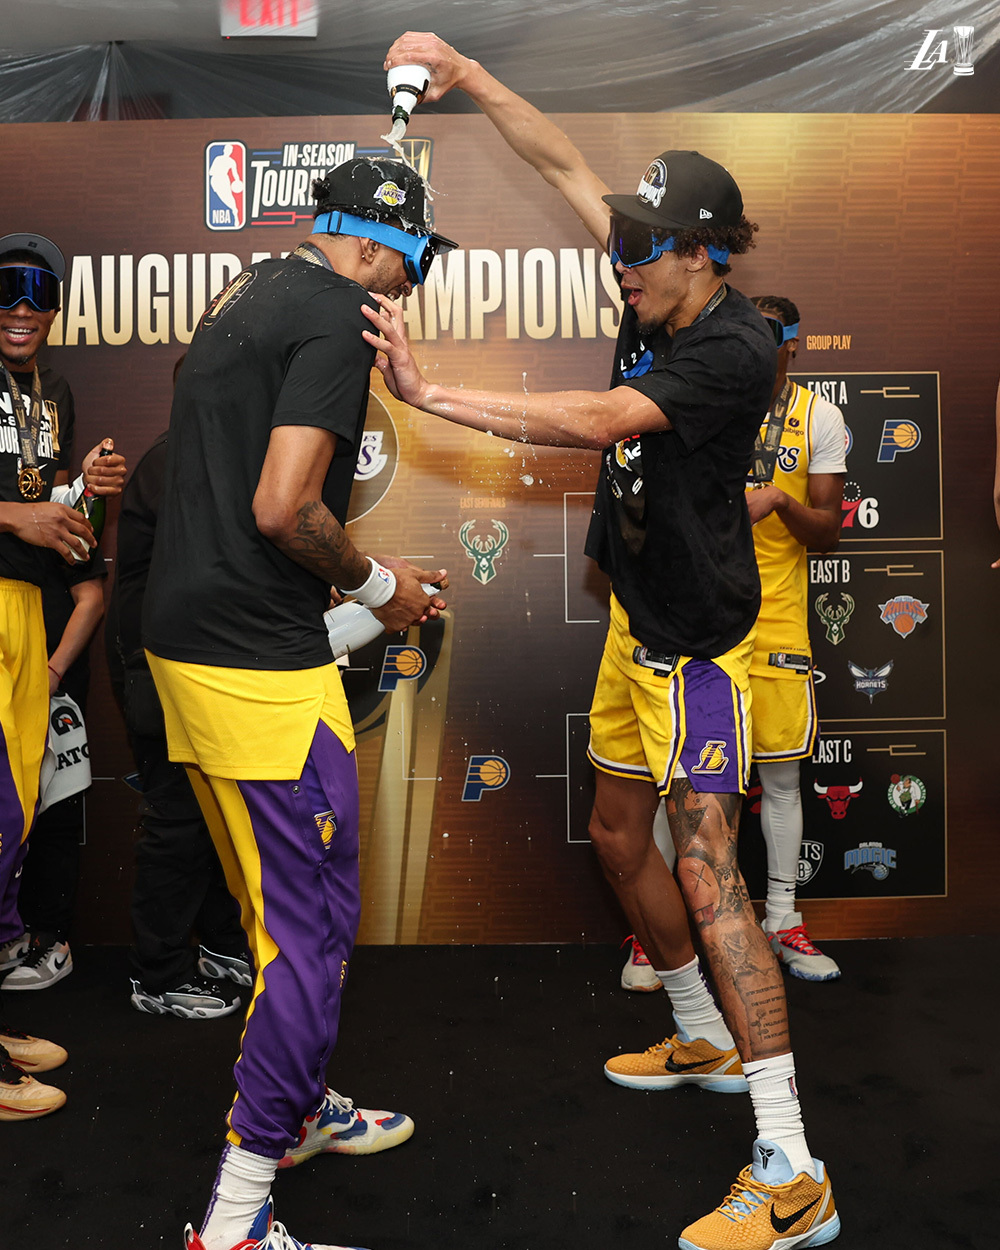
94	508
351	626
407	85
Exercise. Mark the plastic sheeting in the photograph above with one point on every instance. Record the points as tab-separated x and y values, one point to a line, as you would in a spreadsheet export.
763	56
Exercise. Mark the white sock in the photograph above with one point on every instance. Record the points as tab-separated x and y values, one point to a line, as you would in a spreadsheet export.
694	1007
242	1185
781	825
776	1107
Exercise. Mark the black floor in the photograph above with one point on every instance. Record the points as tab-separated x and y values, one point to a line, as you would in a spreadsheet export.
521	1143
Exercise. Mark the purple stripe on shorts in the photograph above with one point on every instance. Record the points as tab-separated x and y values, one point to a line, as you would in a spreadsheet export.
712	756
12	848
312	904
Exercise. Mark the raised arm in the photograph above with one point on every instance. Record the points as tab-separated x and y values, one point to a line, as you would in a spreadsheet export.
528	132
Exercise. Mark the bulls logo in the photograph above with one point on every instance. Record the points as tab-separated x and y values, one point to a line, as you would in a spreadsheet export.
839	797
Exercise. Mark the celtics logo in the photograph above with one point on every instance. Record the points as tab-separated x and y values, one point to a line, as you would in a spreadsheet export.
835	616
907	794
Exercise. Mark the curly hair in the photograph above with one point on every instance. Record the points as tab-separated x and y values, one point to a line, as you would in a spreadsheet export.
736	239
787	312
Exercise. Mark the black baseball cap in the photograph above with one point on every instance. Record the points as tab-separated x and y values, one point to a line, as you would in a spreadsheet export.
682	191
376	189
49	256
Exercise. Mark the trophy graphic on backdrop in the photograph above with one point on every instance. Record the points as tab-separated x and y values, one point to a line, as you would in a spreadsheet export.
399	700
963	51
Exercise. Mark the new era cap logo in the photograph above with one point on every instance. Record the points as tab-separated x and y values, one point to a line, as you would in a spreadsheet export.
703	214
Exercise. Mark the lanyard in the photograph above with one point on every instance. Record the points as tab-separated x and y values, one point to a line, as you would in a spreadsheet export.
765	451
311	253
29	423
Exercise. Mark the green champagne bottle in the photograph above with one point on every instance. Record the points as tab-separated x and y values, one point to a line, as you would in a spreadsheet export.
93	506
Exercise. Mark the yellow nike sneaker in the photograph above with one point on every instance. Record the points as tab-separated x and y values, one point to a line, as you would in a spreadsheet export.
773	1214
675	1062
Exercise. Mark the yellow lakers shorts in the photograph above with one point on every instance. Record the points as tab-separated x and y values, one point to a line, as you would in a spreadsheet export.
248	724
784	717
24	709
693	721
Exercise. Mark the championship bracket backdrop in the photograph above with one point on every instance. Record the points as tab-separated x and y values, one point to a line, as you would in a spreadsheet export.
473	729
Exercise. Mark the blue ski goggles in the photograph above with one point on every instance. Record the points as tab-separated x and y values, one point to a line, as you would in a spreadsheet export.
418	250
19	283
779	330
632	244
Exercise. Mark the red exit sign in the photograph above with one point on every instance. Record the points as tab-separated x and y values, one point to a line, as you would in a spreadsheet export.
268	18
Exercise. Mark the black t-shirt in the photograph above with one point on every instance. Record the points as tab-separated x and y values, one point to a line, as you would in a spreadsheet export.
281	345
20	560
670	525
137	518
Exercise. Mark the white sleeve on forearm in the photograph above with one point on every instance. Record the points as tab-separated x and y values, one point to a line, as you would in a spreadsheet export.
68	494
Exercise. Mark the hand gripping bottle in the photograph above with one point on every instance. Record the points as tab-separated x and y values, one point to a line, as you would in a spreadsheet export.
93	508
351	626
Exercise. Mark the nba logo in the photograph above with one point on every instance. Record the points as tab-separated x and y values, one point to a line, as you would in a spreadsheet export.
401	663
225	186
485	772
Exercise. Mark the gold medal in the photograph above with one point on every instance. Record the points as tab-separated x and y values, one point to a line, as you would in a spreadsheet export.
29	483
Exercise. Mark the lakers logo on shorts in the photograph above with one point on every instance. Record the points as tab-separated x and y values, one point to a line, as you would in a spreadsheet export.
713	760
326	823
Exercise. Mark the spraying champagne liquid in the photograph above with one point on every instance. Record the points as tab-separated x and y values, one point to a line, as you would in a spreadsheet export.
407	85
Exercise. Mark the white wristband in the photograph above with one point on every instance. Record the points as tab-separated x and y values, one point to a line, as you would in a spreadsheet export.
68	495
378	589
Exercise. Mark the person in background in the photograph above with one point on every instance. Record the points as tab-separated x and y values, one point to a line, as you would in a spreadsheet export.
38	529
72	604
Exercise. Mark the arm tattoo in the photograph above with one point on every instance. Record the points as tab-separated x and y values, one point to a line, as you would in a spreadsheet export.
320	545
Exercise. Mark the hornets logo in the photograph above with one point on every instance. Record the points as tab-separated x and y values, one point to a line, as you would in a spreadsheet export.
713	759
485	772
326	823
401	663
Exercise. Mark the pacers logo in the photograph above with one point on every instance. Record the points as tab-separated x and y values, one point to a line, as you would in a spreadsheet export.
898	436
401	663
485	772
713	759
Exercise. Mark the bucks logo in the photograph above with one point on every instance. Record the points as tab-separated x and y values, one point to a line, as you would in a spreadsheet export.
835	616
484	550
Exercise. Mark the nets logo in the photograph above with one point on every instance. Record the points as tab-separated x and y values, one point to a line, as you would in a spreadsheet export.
225	185
485	772
401	663
810	861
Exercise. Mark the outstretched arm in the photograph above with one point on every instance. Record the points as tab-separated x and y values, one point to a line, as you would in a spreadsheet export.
527	131
552	418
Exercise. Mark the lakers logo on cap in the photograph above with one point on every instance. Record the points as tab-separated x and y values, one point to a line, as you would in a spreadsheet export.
653	184
713	759
391	194
326	823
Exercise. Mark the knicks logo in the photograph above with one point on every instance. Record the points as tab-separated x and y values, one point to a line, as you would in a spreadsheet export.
401	663
225	186
713	760
485	772
326	823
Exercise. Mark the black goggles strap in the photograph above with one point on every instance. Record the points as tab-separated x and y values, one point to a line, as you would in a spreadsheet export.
25	282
